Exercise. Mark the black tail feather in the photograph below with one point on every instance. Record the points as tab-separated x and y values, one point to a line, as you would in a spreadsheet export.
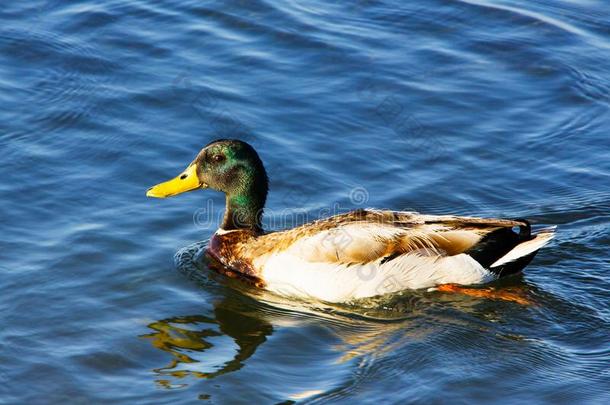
496	244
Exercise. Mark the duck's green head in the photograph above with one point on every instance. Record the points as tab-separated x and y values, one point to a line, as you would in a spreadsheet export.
227	165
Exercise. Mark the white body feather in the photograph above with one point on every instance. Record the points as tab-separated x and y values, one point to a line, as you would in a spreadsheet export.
287	274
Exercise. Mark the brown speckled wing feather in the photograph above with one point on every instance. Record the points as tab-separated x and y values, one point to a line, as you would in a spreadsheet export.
365	235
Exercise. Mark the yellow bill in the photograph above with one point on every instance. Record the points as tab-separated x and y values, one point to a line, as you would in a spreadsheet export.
186	181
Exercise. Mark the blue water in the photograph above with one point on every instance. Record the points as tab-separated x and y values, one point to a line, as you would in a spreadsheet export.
488	108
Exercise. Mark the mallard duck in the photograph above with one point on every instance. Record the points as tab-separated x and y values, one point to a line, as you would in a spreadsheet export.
355	255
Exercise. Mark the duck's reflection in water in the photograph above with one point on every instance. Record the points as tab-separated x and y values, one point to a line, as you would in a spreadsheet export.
210	346
227	340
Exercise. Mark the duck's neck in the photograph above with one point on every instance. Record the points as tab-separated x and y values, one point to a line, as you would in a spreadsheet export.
244	210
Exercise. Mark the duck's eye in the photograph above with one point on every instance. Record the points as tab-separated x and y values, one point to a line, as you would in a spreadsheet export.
218	158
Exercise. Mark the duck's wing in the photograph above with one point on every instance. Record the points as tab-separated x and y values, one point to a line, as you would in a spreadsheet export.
364	236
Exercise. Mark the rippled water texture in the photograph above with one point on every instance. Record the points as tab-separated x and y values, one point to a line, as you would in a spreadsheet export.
467	107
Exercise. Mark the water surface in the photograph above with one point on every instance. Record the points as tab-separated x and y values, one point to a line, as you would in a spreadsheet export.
490	108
